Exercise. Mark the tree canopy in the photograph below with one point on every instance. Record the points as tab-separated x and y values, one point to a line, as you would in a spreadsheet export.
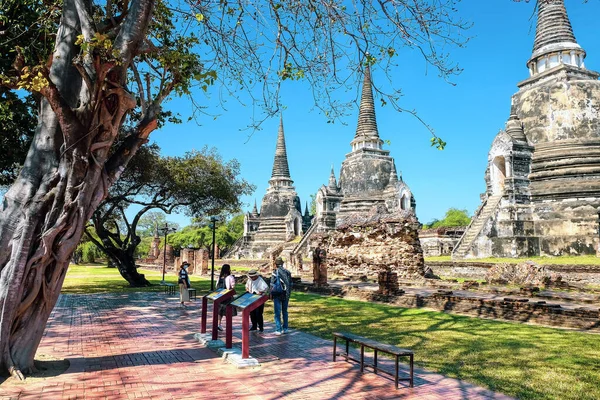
453	217
199	182
200	235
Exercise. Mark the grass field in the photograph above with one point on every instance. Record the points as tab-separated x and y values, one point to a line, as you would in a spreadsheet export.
524	361
578	260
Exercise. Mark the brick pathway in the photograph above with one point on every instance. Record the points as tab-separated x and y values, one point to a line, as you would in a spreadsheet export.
128	346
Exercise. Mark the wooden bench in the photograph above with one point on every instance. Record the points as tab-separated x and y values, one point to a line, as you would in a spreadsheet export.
192	292
376	347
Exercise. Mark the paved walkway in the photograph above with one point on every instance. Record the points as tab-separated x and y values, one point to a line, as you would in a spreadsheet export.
140	345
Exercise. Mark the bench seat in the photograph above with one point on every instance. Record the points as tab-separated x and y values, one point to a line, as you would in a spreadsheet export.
376	347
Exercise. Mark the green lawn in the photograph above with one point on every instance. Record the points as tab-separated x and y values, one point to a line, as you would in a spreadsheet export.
89	279
579	260
527	362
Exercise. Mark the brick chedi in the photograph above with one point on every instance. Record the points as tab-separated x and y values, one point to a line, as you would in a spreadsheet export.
366	223
280	219
368	176
543	177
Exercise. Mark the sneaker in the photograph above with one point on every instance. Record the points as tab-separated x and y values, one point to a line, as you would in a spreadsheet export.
277	333
253	328
220	328
285	331
261	330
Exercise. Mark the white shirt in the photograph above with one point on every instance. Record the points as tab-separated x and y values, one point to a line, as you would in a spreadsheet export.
229	282
256	287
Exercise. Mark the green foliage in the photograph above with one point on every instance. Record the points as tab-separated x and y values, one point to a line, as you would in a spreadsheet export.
25	27
313	204
453	217
148	222
236	226
438	143
90	279
90	252
199	235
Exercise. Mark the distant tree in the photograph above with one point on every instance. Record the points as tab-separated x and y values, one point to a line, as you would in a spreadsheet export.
199	182
313	204
199	235
453	217
149	221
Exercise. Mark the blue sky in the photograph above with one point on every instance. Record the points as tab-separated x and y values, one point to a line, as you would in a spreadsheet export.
467	116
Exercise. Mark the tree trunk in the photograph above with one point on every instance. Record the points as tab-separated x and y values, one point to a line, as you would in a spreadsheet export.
129	272
65	176
123	259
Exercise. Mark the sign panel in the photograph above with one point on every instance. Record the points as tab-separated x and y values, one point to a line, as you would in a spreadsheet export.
218	294
245	300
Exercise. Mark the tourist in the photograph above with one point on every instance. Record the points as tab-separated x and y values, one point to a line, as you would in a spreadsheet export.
184	283
226	281
256	285
281	289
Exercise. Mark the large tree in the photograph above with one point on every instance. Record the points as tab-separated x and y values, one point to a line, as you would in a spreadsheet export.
197	183
119	60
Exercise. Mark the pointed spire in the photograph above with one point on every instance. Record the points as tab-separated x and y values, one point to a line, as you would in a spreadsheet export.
156	230
554	42
514	126
367	124
306	212
280	164
332	181
255	210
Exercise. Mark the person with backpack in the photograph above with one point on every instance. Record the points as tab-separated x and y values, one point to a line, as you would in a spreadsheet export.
281	289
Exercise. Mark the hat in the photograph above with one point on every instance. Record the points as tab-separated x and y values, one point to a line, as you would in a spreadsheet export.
279	261
252	272
185	263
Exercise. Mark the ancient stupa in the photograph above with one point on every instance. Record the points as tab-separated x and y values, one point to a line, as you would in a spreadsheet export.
279	219
543	177
368	176
367	222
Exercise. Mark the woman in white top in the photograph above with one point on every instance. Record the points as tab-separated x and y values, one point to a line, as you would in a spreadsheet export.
226	281
256	285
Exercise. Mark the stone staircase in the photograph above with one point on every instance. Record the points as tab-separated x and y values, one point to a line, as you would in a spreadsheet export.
485	212
305	238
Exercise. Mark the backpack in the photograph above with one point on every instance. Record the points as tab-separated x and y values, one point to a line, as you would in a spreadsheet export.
278	287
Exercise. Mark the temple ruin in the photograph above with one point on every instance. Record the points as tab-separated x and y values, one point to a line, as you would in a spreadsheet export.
280	218
543	176
368	176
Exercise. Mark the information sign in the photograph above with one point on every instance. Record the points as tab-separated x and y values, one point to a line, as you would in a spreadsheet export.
217	294
245	300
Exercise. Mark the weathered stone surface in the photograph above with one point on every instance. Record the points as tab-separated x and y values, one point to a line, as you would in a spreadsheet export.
527	273
543	171
280	218
368	244
573	274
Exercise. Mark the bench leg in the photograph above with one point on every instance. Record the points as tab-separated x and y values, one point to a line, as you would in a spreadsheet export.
334	347
375	361
362	358
347	349
412	383
396	377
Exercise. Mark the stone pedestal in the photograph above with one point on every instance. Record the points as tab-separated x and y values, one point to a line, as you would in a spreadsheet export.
388	283
320	267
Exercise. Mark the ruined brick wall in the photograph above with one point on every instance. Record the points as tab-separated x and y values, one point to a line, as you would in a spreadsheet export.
366	245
